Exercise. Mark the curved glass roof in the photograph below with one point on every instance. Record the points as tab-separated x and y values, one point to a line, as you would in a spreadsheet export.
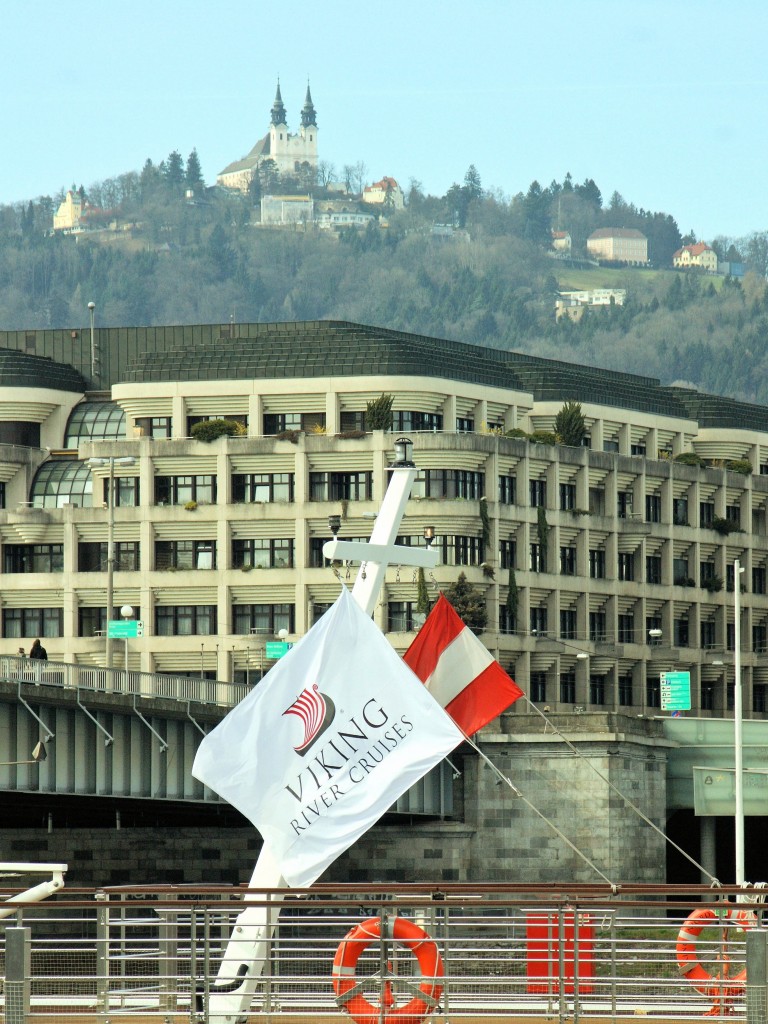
94	421
62	482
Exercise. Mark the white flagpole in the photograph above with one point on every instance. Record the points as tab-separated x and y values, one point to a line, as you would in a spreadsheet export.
243	961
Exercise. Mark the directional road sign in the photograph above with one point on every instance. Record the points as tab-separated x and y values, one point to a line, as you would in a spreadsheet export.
276	649
124	629
675	691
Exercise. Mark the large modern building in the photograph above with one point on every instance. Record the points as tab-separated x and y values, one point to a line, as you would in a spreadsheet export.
621	554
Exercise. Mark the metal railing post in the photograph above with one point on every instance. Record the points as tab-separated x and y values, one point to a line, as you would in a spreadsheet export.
102	955
757	976
18	971
561	986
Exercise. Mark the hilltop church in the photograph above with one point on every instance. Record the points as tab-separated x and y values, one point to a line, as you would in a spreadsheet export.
290	153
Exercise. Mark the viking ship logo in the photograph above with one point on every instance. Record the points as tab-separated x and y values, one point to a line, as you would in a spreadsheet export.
316	710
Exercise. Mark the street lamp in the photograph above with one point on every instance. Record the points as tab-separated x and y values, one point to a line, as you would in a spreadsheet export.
92	310
738	740
96	463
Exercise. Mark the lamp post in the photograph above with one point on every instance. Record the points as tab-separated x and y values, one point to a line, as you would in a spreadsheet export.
738	739
92	311
96	463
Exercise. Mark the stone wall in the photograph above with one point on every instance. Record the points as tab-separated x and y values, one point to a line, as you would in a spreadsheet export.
498	837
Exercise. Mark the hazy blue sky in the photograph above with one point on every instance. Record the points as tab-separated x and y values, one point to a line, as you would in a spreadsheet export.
662	100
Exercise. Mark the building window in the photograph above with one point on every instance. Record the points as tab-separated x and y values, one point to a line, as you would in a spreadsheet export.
730	636
758	580
733	515
186	620
567	497
623	504
626	566
706	513
93	621
2	494
597	630
707	634
458	550
318	610
340	486
279	423
537	559
653	692
262	487
596	501
626	624
400	616
185	554
508	554
538	491
126	492
707	696
262	553
262	618
539	687
568	688
680	511
652	623
507	620
178	490
760	639
680	633
33	558
464	425
192	421
507	490
680	572
597	690
449	483
32	622
538	621
92	556
759	699
637	449
568	624
653	569
568	561
597	564
412	421
154	426
610	446
653	508
625	691
349	421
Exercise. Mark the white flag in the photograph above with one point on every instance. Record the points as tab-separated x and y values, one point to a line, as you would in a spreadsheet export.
326	743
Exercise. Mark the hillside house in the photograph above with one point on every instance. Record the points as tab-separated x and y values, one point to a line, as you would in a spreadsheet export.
561	241
697	255
619	245
385	192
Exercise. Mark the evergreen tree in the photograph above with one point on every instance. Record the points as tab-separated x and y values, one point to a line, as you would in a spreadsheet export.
173	174
468	603
193	176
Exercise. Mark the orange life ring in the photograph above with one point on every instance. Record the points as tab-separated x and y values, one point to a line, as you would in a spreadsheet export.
719	987
428	987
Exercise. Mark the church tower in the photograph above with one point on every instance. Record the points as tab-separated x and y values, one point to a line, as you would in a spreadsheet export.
278	130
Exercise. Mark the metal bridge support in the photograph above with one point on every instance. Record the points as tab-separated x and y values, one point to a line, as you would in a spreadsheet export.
17	975
757	976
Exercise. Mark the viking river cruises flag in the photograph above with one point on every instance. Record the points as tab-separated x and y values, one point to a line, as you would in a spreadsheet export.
459	671
326	743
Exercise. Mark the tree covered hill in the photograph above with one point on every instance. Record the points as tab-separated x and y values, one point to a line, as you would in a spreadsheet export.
488	278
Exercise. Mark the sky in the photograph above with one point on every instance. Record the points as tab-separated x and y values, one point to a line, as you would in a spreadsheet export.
661	100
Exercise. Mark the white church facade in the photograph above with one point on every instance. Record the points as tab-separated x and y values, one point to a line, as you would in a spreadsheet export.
290	153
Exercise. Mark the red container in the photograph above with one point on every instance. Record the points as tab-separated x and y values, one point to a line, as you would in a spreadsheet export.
543	936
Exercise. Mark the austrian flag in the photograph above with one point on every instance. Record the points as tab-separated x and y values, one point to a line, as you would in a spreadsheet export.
459	671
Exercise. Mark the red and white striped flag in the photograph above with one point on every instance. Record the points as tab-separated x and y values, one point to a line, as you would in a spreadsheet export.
459	672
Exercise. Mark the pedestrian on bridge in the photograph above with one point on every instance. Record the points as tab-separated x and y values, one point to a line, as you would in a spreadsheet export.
38	652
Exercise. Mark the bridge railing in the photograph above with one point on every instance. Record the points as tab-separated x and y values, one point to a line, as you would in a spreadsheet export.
192	689
505	953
